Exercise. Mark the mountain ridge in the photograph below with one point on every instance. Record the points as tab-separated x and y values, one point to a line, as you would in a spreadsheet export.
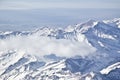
103	36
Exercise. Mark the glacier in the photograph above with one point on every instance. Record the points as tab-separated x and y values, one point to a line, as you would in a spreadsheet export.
85	51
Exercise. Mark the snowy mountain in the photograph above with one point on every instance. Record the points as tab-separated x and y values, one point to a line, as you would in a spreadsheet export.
86	51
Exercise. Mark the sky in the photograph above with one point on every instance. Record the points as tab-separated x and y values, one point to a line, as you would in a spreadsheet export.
17	14
38	4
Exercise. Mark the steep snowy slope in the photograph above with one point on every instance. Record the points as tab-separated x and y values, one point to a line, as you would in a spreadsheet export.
100	39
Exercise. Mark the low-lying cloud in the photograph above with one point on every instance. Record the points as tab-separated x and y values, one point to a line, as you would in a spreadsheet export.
41	46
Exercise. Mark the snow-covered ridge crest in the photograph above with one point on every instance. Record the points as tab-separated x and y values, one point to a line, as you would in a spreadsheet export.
113	22
83	27
110	68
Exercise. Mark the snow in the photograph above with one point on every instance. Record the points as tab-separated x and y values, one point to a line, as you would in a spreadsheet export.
70	28
100	43
70	44
113	22
81	37
110	68
102	35
10	60
5	33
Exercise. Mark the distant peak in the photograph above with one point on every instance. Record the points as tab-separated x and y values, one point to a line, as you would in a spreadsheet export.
91	20
85	26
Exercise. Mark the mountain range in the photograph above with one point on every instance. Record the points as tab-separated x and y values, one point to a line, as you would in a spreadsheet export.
85	51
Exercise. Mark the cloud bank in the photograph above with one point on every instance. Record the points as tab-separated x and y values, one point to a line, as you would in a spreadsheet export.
41	46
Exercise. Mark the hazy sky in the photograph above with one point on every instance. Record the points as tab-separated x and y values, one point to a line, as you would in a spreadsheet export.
14	13
38	4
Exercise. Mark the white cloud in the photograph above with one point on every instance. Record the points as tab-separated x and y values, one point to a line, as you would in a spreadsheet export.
43	46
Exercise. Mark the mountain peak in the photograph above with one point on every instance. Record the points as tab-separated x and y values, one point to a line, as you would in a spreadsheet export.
82	28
